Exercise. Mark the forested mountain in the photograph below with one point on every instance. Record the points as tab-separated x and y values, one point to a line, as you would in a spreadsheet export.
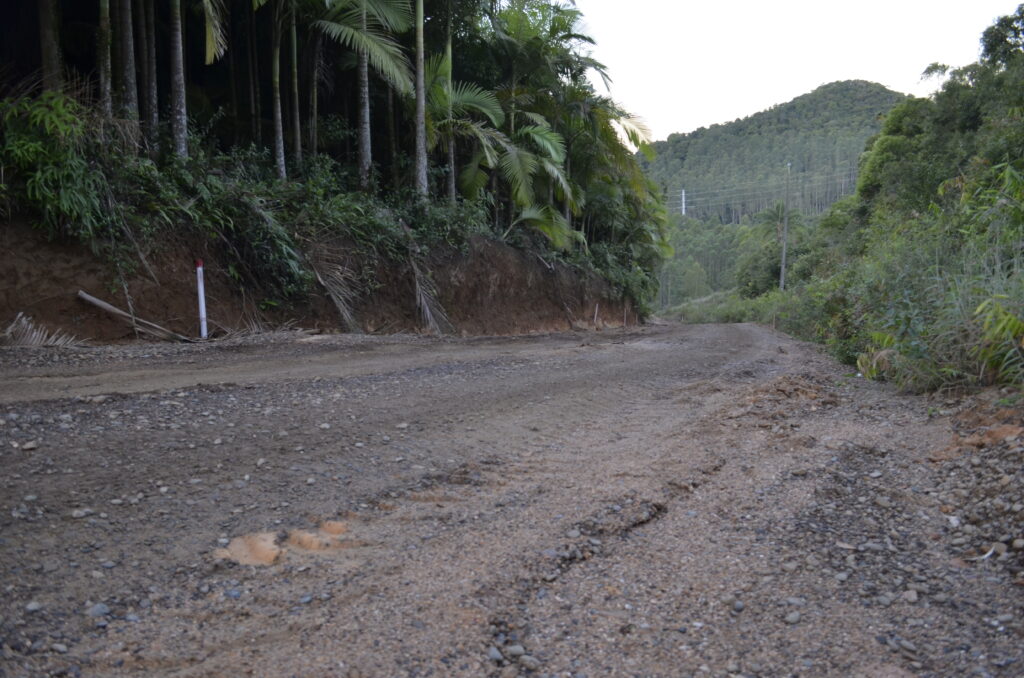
740	168
918	276
271	126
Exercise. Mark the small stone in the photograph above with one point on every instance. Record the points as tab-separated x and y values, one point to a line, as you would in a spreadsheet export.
59	648
33	606
790	566
1018	544
529	662
402	426
30	445
98	610
310	480
131	617
883	502
792	618
494	654
842	576
325	426
234	594
910	596
81	513
738	606
573	534
515	650
908	646
306	599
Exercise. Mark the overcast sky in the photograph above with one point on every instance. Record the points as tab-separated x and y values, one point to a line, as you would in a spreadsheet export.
684	64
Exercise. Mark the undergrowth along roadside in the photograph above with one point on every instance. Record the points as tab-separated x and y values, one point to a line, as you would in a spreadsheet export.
79	180
919	277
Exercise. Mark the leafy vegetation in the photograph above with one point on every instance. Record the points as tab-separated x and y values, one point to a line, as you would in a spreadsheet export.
284	124
919	277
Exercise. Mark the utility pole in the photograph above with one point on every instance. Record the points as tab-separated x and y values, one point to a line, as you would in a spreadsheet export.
683	195
785	229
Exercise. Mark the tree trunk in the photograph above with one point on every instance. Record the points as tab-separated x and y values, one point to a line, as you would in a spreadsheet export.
129	89
103	61
365	147
254	78
179	113
152	101
314	87
396	177
275	85
452	194
296	120
147	81
421	108
49	45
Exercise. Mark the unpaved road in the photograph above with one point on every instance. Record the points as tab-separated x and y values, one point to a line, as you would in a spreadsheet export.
667	501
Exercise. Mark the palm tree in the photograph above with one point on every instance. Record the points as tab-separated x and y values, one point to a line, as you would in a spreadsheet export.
421	108
103	59
129	90
449	107
179	114
366	27
49	44
280	11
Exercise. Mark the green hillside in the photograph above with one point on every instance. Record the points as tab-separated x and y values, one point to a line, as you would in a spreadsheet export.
739	168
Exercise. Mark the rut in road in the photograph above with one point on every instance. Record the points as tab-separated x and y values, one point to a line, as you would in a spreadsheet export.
661	502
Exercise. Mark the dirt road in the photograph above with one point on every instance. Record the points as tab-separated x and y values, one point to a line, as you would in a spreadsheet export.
666	501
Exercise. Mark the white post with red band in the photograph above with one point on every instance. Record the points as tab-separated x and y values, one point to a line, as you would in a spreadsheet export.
202	298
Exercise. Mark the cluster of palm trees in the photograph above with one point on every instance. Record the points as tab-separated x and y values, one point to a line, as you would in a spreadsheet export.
491	99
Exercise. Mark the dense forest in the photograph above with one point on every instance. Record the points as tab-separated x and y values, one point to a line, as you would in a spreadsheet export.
739	168
730	237
273	126
919	276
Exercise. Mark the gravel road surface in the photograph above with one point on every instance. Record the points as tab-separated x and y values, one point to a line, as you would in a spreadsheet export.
664	501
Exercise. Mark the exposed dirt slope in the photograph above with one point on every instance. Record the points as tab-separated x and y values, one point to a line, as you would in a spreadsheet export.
665	501
489	289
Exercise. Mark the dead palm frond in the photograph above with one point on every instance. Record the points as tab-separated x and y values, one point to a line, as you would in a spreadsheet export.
431	311
340	284
331	269
23	332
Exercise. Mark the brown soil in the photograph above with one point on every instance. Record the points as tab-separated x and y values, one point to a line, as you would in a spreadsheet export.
662	501
490	289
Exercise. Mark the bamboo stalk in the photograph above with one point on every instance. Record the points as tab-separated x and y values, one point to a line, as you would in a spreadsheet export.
139	324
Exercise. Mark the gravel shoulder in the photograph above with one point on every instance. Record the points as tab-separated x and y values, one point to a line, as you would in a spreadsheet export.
663	501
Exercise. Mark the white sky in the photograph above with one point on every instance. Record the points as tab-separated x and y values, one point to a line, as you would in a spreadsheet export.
684	64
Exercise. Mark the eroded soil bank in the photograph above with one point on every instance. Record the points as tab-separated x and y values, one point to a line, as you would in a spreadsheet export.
490	288
663	501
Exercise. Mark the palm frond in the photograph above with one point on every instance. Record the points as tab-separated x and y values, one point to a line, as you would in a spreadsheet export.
431	312
518	167
467	97
384	54
214	15
547	140
23	332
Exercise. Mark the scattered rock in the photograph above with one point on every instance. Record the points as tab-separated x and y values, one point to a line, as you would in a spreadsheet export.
98	610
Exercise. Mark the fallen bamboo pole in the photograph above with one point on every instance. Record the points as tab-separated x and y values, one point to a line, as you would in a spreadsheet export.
141	325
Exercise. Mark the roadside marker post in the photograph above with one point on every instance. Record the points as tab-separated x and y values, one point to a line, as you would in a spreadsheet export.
202	298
